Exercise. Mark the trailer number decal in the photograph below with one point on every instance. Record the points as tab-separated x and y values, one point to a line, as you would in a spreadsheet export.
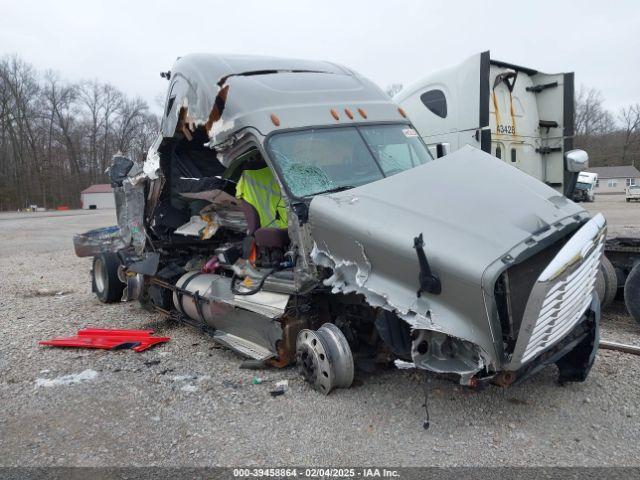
507	129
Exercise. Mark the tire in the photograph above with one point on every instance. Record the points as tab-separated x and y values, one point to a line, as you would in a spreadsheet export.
104	278
610	281
600	287
632	293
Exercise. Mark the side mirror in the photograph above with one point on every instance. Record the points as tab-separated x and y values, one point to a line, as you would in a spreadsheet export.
576	160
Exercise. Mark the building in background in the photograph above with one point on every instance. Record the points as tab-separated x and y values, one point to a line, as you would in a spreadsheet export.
614	180
97	196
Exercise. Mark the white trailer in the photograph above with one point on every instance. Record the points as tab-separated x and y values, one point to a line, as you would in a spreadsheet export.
516	113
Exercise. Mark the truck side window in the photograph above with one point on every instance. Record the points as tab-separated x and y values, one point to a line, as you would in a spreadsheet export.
498	152
513	155
435	101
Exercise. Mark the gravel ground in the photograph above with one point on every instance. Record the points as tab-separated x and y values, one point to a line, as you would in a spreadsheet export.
186	403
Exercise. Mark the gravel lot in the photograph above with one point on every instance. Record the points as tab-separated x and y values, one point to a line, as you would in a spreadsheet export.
187	402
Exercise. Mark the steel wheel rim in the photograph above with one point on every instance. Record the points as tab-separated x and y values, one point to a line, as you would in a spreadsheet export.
340	355
313	361
100	275
324	358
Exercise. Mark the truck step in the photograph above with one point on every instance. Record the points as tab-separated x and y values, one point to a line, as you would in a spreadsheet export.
242	346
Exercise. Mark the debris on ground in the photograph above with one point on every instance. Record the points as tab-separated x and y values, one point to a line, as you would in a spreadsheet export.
46	292
71	379
281	387
108	339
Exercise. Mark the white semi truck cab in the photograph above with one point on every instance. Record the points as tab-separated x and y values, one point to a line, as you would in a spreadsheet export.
518	114
585	187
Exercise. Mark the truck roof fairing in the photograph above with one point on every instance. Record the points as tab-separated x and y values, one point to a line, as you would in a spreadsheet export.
228	93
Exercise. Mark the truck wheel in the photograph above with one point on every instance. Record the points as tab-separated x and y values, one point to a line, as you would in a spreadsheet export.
600	287
632	293
610	281
104	278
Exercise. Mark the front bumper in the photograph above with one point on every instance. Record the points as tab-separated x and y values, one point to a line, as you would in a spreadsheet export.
574	354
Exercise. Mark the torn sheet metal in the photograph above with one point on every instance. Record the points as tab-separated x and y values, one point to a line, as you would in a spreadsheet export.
226	95
151	167
368	243
98	241
403	365
130	203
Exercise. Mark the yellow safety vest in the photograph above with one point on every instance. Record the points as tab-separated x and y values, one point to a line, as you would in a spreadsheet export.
260	189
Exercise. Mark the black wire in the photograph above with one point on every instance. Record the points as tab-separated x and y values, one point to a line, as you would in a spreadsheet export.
426	422
234	281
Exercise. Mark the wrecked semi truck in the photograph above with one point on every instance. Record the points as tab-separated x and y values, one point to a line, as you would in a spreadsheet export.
290	209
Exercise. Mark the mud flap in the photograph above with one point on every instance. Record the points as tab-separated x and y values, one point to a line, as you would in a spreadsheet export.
575	365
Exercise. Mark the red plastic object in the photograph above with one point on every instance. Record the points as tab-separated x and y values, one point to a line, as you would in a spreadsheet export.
108	339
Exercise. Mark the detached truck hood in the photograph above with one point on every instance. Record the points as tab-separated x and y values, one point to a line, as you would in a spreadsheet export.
476	214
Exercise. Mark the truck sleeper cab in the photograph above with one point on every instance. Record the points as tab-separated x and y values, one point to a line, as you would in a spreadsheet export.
350	244
515	113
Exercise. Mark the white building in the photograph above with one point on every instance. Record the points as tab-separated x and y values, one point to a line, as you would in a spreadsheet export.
98	196
615	179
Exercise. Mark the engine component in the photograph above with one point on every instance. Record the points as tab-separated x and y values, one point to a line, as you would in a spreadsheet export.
134	287
228	254
324	358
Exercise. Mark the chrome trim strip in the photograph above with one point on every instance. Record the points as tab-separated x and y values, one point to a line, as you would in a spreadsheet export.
561	293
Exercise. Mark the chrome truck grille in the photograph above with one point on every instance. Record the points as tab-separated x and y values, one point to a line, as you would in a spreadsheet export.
561	293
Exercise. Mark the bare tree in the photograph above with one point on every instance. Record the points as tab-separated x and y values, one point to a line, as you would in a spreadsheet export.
630	119
56	138
591	118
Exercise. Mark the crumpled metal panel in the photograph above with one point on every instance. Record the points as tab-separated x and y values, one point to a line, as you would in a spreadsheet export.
130	203
98	241
299	92
472	209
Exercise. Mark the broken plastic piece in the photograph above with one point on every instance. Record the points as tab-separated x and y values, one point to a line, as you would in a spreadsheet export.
281	388
203	226
108	339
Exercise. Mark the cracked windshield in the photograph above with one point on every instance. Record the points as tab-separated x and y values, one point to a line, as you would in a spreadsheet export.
334	159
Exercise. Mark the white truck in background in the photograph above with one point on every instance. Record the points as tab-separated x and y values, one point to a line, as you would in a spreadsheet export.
515	113
632	193
585	187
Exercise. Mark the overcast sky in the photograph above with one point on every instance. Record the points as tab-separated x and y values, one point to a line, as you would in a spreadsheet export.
127	43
